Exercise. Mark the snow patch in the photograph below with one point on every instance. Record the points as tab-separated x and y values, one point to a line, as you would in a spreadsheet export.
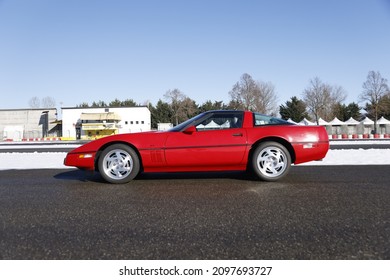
32	161
334	157
354	157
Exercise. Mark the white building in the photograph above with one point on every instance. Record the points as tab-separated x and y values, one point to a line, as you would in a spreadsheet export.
92	123
164	126
25	124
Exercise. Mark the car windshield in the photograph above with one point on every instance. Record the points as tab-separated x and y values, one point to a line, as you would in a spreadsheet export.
187	123
213	120
260	120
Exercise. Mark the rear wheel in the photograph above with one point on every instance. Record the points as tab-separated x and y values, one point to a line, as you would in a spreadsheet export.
271	161
118	164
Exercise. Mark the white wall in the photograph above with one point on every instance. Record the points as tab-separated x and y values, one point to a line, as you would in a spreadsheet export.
27	123
133	119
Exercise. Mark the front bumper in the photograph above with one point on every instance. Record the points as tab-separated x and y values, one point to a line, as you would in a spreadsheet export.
81	160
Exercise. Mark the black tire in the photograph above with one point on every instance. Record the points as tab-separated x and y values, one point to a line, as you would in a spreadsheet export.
118	164
271	161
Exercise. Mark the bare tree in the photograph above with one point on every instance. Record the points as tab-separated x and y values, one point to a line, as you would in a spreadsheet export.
179	104
266	100
374	89
248	94
314	97
243	93
320	98
338	95
48	102
34	102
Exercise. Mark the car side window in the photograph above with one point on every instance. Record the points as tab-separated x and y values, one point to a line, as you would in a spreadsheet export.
221	121
261	120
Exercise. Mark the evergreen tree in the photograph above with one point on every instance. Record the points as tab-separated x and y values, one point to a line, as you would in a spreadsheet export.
294	109
162	113
209	105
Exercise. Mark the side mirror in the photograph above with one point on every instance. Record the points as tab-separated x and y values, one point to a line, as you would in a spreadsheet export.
189	130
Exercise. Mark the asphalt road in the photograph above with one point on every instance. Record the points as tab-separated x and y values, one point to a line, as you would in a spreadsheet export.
327	212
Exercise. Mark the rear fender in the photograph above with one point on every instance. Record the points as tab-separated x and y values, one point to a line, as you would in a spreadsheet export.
279	140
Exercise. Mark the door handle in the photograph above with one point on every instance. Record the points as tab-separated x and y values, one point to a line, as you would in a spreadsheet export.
237	134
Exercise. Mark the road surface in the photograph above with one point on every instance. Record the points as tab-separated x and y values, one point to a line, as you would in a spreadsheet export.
322	212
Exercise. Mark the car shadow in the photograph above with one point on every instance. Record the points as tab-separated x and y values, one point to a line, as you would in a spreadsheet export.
80	175
237	175
90	176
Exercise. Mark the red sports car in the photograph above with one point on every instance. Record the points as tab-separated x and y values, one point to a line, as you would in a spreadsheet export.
211	141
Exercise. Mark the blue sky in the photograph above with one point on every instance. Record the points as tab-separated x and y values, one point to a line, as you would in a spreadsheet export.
89	50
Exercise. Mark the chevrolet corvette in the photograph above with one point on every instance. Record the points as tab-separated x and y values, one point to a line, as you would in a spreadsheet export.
223	140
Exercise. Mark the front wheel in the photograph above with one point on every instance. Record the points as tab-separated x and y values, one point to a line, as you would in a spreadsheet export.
271	161
118	164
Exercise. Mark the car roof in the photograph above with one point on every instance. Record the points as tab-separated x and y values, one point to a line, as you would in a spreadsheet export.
225	111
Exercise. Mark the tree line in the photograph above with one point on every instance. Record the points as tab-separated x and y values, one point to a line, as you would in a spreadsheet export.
321	100
318	100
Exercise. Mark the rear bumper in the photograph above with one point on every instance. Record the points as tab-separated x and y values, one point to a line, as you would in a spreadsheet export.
310	151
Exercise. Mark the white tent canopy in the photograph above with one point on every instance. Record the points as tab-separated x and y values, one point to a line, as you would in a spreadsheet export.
306	122
212	124
291	121
367	121
382	120
321	121
354	129
336	121
351	121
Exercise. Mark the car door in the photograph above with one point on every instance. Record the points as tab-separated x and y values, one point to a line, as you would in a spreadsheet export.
218	141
